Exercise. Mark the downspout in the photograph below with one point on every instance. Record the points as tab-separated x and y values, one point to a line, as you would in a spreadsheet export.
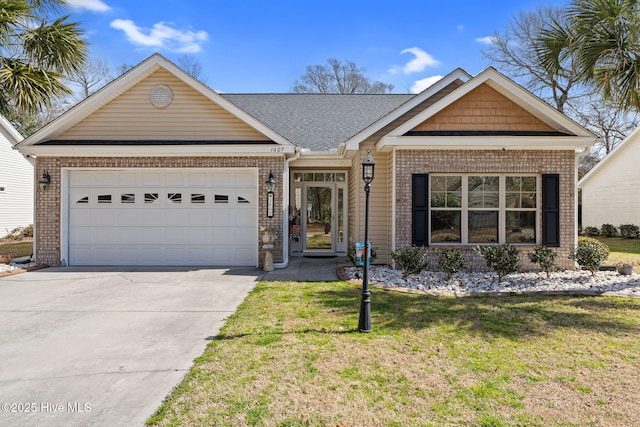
30	158
285	208
579	153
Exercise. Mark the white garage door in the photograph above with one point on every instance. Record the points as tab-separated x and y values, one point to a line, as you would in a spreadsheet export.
163	217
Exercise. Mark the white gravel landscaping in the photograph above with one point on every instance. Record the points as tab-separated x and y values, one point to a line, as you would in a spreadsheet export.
8	268
472	283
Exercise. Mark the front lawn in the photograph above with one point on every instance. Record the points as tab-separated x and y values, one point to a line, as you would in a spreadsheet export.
291	356
16	248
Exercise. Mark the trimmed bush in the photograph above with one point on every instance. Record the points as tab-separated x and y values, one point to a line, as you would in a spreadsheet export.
630	231
591	231
503	259
590	254
411	260
609	230
452	261
545	257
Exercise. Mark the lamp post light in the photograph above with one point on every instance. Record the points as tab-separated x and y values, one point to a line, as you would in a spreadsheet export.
364	324
270	183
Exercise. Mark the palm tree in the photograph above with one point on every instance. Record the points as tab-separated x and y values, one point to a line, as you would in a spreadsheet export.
602	37
36	54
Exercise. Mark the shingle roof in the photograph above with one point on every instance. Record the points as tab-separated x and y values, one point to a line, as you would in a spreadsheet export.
319	122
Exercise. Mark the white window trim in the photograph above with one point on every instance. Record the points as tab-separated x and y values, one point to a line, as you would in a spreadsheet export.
502	209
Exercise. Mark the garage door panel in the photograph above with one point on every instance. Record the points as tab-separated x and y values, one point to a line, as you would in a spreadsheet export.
163	217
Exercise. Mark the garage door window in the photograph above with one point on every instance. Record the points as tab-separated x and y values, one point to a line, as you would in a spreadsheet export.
128	198
84	199
150	197
197	198
104	198
220	198
175	197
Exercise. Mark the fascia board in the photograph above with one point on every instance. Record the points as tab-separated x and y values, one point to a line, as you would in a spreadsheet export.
163	150
114	89
457	74
485	142
8	127
602	163
506	87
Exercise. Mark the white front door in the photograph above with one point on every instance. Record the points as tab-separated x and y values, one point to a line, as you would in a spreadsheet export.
163	217
319	213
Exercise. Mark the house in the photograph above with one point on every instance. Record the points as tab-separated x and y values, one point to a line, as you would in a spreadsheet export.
16	182
609	189
158	169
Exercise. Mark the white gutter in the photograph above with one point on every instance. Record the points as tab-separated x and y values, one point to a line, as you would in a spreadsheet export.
285	208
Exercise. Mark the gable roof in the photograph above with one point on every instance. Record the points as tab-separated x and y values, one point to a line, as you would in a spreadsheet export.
571	133
132	77
10	130
602	164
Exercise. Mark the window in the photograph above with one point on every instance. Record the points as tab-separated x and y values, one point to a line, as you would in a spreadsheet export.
150	197
242	200
128	198
197	198
521	209
220	198
446	209
478	209
175	197
84	199
104	198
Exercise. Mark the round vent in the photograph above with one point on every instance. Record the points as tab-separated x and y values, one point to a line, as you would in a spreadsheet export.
161	96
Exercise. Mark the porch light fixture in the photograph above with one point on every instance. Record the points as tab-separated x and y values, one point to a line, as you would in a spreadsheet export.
270	183
364	323
45	181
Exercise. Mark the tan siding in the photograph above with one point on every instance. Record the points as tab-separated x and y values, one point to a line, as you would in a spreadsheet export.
610	197
190	116
379	201
483	108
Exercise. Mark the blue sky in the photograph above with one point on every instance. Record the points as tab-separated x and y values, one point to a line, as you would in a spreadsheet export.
264	46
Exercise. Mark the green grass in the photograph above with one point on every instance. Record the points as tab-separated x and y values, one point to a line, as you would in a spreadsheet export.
621	249
16	249
291	356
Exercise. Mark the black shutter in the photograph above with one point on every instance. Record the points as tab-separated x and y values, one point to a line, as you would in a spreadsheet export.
420	209
551	210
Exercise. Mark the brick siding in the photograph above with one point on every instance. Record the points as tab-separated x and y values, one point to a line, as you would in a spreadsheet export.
48	203
409	162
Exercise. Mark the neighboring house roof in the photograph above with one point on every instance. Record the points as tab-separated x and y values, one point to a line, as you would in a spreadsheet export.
319	122
10	130
602	164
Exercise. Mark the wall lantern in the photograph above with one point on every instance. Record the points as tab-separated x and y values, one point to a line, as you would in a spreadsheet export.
364	322
45	181
270	184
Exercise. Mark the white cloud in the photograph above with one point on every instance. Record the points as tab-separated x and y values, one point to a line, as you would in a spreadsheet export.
420	85
162	35
421	61
487	40
90	5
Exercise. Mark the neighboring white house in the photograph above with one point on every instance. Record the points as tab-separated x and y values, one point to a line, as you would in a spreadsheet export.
16	182
610	190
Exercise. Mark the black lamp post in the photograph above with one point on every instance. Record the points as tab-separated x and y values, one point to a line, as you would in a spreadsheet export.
364	324
270	183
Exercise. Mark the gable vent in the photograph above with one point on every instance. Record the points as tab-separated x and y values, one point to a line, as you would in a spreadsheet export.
161	96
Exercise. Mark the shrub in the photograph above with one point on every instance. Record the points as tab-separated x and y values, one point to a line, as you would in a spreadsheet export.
20	233
545	257
411	260
503	259
351	253
452	261
590	254
609	230
630	231
591	231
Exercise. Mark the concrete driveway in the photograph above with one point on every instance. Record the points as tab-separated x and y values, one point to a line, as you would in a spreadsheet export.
103	346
